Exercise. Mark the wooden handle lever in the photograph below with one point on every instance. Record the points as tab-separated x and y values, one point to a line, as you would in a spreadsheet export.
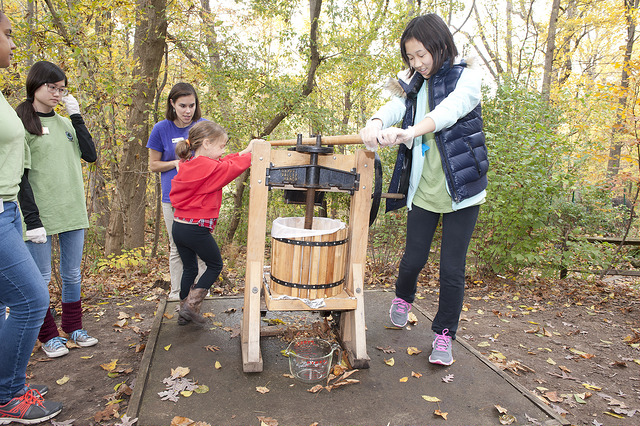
325	140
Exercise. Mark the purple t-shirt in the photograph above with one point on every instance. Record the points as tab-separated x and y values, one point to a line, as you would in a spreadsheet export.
164	138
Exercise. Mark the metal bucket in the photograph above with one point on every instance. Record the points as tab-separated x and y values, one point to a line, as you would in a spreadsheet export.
310	358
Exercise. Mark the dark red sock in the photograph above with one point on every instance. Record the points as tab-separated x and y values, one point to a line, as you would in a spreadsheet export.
71	316
49	329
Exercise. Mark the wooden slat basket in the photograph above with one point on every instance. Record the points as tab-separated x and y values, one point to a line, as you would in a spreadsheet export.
308	263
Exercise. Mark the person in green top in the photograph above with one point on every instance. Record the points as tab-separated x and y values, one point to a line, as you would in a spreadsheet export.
52	196
21	286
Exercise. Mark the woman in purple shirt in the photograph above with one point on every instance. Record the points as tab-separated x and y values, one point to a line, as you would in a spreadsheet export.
183	111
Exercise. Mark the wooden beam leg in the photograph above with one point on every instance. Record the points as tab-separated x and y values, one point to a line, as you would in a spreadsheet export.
251	355
352	323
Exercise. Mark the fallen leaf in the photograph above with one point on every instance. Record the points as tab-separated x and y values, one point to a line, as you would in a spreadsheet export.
500	409
186	393
412	319
127	421
551	361
387	349
390	362
110	366
166	348
553	396
267	421
441	414
592	387
212	348
484	344
404	379
218	365
315	389
202	389
430	398
63	380
416	375
448	378
180	372
262	389
506	419
411	350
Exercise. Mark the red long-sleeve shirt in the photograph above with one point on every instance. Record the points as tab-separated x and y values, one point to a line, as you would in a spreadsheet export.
196	191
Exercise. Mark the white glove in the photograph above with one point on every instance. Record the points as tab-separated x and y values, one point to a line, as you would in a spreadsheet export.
370	134
396	136
38	235
73	107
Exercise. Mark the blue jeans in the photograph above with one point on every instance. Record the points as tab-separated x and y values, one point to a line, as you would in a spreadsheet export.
457	228
23	290
71	246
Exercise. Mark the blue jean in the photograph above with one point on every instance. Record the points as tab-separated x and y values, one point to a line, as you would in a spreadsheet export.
71	246
457	228
23	290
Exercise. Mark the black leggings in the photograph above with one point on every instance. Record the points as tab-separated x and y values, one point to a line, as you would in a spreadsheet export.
457	228
193	241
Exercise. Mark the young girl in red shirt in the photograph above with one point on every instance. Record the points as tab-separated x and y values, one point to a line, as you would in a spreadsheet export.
196	195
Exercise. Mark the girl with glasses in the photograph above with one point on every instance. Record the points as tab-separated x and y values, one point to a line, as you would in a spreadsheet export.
52	195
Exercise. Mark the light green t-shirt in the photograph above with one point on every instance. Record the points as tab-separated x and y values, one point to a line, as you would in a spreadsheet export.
55	176
432	194
11	151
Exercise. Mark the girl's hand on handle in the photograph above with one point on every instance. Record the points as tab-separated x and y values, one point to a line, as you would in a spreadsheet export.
396	136
371	134
71	104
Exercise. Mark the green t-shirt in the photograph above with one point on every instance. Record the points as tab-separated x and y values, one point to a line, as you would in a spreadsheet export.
432	192
55	176
11	151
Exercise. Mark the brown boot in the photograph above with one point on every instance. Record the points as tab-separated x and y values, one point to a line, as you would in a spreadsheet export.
190	310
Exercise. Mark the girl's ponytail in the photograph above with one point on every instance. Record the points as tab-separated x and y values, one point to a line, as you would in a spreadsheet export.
30	119
184	151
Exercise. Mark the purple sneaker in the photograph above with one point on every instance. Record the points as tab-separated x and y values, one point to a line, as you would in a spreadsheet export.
399	312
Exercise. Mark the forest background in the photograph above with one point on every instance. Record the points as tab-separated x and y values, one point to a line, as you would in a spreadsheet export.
560	109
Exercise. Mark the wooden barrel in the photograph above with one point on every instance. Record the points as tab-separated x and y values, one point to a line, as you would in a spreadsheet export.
308	263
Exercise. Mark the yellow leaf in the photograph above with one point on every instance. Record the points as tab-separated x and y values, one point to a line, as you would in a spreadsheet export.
617	416
62	381
218	365
441	414
110	366
592	387
430	398
404	379
186	393
202	389
390	362
480	311
637	361
166	348
412	318
411	350
484	344
416	375
87	357
550	361
180	371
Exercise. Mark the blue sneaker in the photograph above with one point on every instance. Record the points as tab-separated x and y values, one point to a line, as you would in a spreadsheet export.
399	312
81	338
441	353
55	347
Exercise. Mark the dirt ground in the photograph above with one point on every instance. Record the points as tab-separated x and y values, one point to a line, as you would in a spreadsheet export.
573	342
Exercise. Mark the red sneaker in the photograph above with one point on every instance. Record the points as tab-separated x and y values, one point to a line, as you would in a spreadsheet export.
28	408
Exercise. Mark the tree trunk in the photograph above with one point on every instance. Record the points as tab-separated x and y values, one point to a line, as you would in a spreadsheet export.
551	48
613	167
127	221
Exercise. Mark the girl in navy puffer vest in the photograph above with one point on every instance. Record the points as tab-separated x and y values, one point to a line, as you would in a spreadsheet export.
442	135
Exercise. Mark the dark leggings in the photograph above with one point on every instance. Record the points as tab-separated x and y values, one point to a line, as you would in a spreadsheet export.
457	228
193	241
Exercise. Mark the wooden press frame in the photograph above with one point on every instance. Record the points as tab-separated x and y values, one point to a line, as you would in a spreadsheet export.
352	321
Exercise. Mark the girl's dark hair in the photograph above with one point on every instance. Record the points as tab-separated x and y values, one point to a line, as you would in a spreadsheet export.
197	134
177	91
40	73
435	36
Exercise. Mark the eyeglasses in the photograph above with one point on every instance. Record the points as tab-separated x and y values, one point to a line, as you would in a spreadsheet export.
62	91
